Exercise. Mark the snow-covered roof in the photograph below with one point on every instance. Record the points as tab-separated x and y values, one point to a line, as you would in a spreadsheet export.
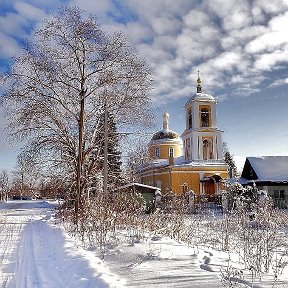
165	135
138	185
201	97
196	163
267	168
154	163
180	162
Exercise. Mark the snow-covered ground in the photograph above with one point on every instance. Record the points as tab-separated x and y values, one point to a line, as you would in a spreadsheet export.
162	262
36	252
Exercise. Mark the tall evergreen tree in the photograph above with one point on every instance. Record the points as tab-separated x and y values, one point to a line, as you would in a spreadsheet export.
228	158
114	155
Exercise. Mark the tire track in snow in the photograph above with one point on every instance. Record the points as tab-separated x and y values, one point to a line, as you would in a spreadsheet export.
39	255
45	262
9	237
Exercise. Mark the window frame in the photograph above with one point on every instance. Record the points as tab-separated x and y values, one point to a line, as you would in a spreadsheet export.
157	152
171	149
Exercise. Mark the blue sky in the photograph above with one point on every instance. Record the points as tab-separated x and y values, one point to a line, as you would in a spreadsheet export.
240	48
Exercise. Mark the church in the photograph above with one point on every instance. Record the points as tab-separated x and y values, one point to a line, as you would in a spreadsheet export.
192	162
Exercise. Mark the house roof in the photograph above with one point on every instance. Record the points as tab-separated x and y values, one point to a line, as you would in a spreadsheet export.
266	168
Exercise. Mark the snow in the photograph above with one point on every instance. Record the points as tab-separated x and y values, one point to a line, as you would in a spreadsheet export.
201	97
162	262
270	168
180	162
36	252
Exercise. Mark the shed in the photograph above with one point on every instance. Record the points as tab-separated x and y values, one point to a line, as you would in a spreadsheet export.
269	173
148	192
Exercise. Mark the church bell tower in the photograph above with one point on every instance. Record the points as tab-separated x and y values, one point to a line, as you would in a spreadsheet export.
202	140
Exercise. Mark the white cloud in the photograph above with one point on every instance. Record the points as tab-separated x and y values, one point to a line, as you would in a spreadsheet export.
268	42
279	82
164	26
8	46
275	36
245	34
196	19
227	40
271	7
225	61
12	24
232	14
149	9
236	20
30	12
279	23
137	32
98	7
269	61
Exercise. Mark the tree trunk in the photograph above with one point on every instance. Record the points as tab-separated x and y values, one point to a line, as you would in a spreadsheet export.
105	168
80	154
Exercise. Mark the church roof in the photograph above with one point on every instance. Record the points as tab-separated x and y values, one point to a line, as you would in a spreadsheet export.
201	97
266	169
165	134
180	162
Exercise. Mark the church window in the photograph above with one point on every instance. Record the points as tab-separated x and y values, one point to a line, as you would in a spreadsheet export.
158	184
171	152
204	114
157	152
207	149
189	118
187	150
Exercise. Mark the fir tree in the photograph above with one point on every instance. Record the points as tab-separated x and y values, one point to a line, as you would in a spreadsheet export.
114	155
228	158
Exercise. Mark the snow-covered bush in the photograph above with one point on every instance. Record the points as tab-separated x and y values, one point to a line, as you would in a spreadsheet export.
257	239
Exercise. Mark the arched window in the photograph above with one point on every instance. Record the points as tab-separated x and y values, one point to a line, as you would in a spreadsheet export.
189	118
207	149
157	152
171	152
187	150
205	115
158	184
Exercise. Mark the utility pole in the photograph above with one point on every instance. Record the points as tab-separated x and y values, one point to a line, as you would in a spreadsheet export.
105	168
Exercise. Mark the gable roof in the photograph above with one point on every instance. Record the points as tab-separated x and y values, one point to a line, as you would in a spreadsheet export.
267	168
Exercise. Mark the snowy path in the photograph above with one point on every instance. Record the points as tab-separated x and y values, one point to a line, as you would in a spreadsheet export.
34	253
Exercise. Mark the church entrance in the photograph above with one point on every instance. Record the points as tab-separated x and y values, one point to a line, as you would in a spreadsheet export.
211	185
209	188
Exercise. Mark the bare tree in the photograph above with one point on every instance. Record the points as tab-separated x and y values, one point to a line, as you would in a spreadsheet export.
57	89
137	157
4	186
27	174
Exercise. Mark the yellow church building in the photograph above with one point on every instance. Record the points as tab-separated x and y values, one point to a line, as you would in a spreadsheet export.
194	161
